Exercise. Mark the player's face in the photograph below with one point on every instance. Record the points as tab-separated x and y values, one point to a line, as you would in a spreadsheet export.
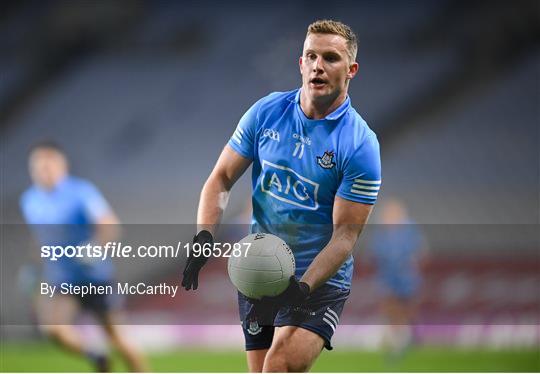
393	212
47	167
326	67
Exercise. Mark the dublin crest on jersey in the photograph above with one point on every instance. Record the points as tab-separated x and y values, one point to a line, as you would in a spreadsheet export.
254	328
327	160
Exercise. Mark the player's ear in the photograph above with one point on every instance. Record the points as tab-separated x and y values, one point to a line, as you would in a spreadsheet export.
300	61
353	69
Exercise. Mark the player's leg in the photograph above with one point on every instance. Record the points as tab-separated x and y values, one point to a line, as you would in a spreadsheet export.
56	316
305	330
134	359
255	360
396	310
404	314
294	349
398	331
258	339
105	308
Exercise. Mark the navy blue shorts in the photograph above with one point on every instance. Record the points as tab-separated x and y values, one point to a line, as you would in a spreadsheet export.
100	304
320	314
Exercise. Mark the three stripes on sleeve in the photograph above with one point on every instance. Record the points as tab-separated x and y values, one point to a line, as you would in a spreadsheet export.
366	187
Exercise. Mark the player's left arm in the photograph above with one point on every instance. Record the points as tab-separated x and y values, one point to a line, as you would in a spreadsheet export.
353	203
349	218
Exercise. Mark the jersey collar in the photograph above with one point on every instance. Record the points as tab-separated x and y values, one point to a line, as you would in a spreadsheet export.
336	114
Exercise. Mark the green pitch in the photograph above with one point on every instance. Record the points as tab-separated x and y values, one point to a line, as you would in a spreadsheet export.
46	357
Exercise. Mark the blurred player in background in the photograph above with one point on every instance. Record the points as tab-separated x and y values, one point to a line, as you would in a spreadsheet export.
399	252
65	210
316	175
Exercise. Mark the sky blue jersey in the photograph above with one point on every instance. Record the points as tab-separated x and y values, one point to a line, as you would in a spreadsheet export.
396	250
65	216
300	165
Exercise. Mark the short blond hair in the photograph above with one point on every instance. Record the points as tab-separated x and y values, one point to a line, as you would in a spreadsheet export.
327	26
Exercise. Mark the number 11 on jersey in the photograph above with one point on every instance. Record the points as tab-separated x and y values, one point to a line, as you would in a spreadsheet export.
298	150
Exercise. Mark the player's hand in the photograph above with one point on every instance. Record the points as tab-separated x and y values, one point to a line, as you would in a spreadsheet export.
194	264
295	295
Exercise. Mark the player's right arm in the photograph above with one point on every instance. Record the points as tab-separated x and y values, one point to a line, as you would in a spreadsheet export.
213	201
231	164
215	194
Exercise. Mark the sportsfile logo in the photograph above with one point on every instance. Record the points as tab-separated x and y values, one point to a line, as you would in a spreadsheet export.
287	185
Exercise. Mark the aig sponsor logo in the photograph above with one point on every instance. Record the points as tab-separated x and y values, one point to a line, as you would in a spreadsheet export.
272	134
287	185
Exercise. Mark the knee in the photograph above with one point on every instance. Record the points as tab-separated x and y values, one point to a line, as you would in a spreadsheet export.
275	361
278	360
297	365
52	331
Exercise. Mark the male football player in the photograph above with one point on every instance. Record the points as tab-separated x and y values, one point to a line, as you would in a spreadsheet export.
399	252
316	175
65	210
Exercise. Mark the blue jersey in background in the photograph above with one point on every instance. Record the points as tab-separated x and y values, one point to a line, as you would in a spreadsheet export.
395	249
65	216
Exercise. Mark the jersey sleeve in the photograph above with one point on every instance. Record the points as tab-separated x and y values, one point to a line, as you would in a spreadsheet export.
243	138
94	204
24	206
362	173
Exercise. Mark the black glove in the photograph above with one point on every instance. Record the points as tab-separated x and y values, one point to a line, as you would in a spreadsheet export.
195	264
295	295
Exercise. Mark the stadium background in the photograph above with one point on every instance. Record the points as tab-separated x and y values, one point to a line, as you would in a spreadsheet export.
143	96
